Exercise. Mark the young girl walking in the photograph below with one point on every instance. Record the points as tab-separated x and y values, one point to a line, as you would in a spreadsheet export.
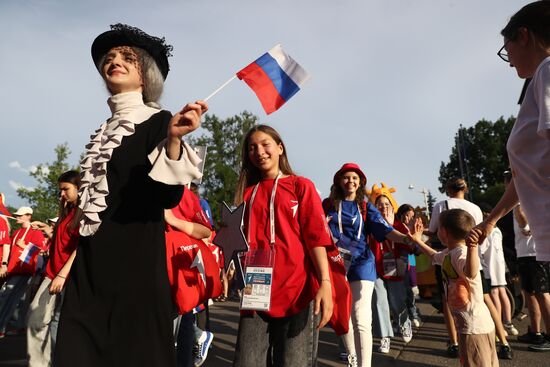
46	305
284	221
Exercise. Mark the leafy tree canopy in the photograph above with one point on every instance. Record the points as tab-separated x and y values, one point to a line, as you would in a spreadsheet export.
479	156
44	197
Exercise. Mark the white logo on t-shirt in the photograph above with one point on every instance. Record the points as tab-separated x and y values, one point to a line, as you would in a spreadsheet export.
294	207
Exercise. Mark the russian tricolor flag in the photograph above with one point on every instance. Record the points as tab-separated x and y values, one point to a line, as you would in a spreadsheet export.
28	253
274	77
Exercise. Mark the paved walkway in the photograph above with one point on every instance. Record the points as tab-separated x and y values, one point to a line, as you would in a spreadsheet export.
426	349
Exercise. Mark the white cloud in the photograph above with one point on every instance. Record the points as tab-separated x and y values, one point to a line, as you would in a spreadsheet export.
31	169
14	164
16	185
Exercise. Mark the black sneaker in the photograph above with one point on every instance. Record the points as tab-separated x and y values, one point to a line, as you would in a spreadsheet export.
505	352
452	350
543	347
531	338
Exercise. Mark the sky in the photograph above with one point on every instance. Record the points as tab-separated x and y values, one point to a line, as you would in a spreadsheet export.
391	80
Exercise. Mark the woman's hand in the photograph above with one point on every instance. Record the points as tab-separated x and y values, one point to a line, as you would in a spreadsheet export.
182	123
186	120
57	284
323	302
480	232
46	229
3	271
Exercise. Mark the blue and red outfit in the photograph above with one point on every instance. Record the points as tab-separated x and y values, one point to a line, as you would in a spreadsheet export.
363	262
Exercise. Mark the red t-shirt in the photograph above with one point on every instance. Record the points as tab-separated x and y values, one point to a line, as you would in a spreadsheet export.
4	234
15	265
189	209
65	242
299	226
390	250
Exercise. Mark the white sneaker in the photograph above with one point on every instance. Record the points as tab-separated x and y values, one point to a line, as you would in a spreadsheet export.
406	331
510	329
416	323
352	360
384	345
200	350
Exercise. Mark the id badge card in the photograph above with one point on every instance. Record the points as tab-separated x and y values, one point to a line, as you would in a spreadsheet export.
346	256
390	265
258	277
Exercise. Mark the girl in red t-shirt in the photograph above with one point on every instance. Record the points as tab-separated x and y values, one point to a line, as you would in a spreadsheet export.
46	305
283	215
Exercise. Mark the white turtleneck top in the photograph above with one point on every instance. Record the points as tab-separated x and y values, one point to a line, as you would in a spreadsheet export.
128	110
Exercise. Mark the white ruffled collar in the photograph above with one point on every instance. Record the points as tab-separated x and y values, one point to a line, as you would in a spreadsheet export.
128	110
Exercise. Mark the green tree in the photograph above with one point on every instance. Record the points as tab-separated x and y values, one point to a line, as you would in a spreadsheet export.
479	156
44	198
223	140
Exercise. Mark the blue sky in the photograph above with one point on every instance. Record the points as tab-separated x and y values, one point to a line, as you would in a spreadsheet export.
391	80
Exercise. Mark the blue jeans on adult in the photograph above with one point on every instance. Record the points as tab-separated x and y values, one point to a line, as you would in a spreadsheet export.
381	310
277	341
397	297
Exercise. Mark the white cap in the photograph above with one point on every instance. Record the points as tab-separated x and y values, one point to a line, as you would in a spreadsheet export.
23	210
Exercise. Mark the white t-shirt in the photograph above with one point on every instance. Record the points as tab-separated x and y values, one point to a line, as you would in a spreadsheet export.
525	245
529	154
454	203
464	295
491	256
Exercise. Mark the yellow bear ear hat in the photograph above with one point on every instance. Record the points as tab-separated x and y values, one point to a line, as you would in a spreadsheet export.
376	191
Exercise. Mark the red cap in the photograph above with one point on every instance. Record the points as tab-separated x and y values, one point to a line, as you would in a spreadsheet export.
350	167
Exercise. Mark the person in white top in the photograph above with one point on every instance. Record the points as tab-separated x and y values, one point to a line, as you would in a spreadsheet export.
463	289
527	49
493	266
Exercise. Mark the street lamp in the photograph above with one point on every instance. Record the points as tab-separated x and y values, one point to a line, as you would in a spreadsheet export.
424	192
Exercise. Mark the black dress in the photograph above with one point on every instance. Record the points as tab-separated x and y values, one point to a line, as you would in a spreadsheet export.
118	309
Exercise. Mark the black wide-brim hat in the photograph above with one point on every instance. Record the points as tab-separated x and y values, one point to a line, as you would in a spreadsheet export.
125	35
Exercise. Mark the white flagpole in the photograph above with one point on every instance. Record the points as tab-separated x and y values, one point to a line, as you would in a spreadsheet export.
220	88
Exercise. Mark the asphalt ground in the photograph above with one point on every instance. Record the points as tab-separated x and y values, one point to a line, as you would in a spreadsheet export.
427	347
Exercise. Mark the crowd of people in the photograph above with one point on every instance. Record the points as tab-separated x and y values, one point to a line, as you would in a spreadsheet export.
108	282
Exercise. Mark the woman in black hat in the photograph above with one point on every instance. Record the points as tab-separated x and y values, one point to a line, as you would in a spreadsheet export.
118	309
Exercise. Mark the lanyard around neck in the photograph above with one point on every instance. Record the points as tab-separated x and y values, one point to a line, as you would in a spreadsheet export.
340	220
271	209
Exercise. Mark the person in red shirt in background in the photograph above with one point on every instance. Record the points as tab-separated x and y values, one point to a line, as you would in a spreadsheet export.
188	217
301	288
5	240
392	266
26	244
46	305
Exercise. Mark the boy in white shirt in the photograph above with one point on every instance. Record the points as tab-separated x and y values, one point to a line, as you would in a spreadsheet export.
463	288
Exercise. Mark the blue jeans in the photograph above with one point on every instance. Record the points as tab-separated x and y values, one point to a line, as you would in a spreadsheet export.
277	341
397	297
186	340
381	311
10	295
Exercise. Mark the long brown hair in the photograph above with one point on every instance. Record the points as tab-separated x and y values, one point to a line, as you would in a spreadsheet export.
250	174
337	195
72	177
